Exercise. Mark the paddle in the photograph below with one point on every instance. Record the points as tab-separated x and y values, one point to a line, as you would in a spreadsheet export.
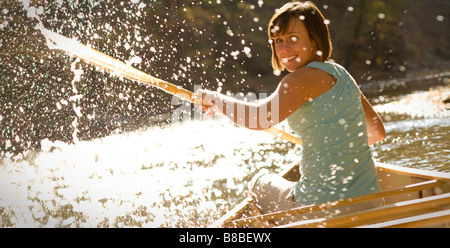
101	60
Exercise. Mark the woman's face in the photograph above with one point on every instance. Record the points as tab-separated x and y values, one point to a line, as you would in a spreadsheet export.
294	48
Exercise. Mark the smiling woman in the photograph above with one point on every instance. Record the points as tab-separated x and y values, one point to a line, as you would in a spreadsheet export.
322	105
294	48
291	25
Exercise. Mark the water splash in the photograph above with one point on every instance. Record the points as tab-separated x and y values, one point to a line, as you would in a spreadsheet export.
134	179
77	109
32	12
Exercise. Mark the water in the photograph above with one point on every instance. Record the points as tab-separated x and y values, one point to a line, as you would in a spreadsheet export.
177	176
184	175
78	148
417	127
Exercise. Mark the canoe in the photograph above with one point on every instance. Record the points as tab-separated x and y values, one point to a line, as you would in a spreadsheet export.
413	198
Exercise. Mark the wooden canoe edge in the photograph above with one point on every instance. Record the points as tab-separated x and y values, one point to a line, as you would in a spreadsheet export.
384	213
434	219
291	172
343	202
230	215
414	173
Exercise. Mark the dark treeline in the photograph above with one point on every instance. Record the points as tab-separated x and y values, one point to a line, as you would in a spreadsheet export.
219	44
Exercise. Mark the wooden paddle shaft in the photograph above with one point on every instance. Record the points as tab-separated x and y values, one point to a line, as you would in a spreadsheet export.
119	68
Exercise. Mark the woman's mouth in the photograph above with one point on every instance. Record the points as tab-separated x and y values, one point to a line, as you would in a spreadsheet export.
286	60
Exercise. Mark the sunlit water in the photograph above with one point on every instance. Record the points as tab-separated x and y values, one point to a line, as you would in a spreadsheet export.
184	175
418	127
178	176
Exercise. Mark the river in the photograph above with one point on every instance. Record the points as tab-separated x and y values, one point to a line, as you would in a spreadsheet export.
188	174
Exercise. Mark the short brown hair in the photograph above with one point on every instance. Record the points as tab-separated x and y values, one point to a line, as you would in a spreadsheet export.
314	21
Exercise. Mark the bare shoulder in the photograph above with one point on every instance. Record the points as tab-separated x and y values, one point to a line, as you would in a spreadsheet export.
310	81
307	75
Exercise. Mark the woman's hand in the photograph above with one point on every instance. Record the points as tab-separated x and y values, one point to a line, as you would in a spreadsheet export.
205	100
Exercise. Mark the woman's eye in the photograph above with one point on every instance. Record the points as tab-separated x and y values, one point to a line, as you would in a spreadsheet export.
294	38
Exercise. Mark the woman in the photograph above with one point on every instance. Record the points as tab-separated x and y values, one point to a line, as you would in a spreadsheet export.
322	105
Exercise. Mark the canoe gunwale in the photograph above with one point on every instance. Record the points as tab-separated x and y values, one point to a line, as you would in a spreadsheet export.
333	204
414	173
430	180
375	215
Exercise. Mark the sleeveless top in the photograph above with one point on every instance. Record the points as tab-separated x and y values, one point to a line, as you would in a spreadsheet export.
336	162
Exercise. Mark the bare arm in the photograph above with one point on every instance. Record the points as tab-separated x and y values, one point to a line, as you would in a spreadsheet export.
257	116
375	127
293	90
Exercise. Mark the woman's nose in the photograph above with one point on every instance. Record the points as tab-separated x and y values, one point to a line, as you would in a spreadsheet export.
285	46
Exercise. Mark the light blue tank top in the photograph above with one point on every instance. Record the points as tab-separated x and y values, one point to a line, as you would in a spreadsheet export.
336	161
